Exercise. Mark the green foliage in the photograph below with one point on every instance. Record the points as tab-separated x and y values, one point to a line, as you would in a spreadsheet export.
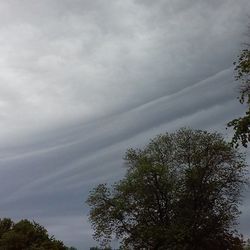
241	125
247	245
26	235
180	192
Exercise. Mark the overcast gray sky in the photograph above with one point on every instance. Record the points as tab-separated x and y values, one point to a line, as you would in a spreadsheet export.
83	80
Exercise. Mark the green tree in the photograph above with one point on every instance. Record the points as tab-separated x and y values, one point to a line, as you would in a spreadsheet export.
247	245
241	125
179	192
5	225
26	235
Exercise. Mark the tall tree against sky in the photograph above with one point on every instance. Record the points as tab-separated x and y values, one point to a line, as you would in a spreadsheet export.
180	192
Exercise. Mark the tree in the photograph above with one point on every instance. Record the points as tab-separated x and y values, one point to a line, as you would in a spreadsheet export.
179	192
26	235
241	125
247	245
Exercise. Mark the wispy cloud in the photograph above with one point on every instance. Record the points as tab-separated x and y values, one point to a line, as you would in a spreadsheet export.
81	81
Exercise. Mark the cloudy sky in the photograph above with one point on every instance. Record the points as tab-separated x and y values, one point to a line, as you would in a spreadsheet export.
83	80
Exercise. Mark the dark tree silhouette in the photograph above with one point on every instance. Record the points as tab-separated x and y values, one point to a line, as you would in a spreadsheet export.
180	192
26	235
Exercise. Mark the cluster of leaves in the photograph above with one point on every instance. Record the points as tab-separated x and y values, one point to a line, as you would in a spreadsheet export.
247	245
26	235
241	125
180	192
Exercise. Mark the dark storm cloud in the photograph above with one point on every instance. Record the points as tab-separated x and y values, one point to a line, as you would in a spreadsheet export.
81	81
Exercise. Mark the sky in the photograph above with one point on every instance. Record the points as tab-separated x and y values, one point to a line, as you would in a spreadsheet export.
82	81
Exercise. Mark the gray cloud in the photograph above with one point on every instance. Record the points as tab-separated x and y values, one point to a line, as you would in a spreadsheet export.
81	81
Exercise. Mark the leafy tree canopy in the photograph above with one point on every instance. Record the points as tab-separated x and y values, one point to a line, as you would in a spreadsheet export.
26	235
179	192
241	125
247	245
